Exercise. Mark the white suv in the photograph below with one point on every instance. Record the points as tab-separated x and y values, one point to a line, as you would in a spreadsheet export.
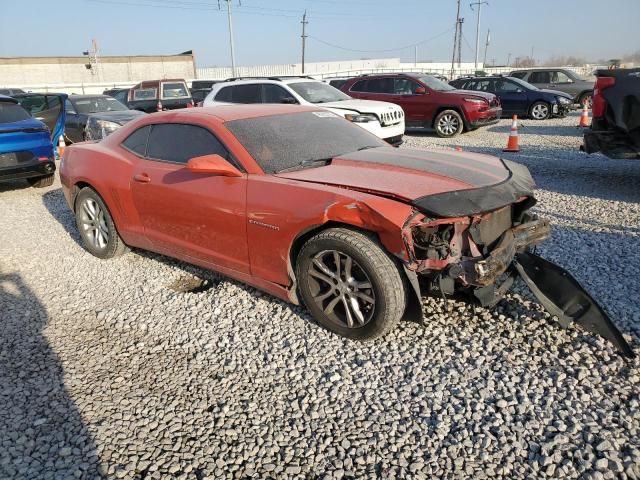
383	119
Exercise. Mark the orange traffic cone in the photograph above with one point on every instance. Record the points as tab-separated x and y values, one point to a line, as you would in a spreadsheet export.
512	143
61	146
584	118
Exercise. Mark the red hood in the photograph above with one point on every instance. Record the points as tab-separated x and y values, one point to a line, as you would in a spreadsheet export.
407	174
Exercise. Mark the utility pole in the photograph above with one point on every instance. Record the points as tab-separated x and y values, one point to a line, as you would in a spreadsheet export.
415	56
486	47
479	4
509	59
304	36
455	40
233	56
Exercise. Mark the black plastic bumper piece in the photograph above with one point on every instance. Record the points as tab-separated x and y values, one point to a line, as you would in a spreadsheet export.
34	169
562	296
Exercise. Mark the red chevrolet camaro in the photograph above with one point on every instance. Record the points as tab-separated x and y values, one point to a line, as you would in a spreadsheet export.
308	207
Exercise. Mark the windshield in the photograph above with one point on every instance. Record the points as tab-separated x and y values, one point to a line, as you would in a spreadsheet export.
523	83
11	112
284	142
318	92
97	104
434	84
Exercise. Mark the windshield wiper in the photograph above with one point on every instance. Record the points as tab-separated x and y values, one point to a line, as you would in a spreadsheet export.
306	163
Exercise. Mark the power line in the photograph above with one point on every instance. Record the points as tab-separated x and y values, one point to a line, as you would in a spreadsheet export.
381	50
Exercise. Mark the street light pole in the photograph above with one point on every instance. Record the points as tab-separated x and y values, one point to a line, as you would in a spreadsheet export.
304	36
479	4
233	57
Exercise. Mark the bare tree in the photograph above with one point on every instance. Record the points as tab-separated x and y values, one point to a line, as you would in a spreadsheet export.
524	62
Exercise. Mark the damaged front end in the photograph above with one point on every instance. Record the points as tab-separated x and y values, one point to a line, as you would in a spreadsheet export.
480	256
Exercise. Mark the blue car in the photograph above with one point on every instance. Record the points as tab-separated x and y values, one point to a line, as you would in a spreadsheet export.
519	97
30	126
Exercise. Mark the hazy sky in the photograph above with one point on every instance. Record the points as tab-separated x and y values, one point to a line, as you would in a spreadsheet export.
268	31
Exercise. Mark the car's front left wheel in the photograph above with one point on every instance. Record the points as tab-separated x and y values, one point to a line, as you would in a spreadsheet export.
350	284
448	123
96	226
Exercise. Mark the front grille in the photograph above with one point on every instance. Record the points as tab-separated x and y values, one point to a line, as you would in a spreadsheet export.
14	159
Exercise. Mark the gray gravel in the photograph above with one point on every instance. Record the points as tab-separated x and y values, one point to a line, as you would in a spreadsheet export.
108	369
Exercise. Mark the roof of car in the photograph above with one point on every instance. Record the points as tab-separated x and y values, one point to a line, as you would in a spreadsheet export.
5	98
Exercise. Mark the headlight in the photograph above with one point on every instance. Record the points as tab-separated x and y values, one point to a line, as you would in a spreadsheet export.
477	101
361	117
99	129
564	100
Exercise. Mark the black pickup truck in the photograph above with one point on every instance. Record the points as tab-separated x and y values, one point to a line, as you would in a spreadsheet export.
615	127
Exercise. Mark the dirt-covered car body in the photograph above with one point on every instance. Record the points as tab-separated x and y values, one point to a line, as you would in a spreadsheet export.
455	222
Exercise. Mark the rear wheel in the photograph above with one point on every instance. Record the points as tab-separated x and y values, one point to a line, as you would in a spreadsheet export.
540	111
448	123
41	182
586	98
96	226
350	284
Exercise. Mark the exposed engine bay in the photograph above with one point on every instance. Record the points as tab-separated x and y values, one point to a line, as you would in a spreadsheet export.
481	255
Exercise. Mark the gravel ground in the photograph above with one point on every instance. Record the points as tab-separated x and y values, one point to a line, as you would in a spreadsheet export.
109	369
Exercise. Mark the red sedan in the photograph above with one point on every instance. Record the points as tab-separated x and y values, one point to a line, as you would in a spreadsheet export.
310	208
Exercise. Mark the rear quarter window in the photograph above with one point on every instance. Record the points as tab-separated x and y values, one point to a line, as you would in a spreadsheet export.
137	141
145	94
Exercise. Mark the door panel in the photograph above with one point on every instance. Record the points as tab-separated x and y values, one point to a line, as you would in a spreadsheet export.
197	215
49	108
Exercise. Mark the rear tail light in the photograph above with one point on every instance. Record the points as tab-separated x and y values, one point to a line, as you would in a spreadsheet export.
159	106
190	105
599	105
43	159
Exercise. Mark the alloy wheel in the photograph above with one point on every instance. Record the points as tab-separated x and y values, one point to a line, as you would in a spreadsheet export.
341	288
93	223
540	111
448	124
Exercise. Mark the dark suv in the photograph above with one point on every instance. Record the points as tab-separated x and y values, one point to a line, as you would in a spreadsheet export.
615	127
560	79
428	102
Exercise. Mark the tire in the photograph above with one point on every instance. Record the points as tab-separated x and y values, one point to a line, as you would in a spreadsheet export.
586	97
540	111
448	123
41	182
96	227
375	284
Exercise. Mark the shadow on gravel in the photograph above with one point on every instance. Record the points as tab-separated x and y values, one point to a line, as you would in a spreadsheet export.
42	434
56	204
14	185
533	127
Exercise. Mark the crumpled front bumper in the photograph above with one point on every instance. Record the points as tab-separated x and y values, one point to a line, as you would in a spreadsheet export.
488	278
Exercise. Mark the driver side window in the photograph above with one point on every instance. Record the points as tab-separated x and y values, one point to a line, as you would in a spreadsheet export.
177	143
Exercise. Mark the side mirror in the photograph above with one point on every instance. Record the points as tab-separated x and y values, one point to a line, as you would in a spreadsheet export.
289	100
212	164
420	91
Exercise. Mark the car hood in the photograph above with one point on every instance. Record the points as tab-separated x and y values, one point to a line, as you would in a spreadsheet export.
470	93
557	93
362	106
120	117
438	182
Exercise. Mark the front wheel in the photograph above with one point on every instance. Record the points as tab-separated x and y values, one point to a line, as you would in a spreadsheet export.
448	123
350	284
96	226
540	111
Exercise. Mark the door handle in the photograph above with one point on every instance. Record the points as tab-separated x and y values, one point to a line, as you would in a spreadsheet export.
142	178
